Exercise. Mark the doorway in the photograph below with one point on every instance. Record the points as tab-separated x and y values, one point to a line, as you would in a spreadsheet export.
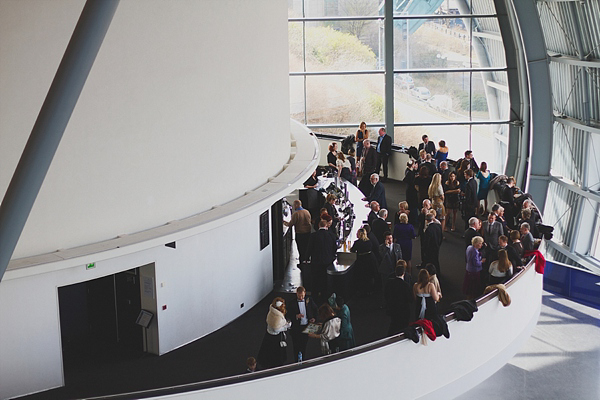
98	319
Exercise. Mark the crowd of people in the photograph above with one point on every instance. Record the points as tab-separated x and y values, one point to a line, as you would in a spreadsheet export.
496	242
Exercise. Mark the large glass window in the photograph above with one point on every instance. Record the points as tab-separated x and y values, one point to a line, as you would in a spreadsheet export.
449	72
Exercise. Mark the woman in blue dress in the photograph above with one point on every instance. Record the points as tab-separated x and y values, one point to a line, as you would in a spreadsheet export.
441	154
484	178
403	234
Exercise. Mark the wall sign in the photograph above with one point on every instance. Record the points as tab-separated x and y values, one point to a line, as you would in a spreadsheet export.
264	229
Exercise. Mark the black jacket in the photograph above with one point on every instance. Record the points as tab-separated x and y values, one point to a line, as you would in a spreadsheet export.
322	247
386	144
471	195
294	309
430	148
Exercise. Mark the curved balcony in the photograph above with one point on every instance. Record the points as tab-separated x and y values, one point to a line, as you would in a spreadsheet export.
396	367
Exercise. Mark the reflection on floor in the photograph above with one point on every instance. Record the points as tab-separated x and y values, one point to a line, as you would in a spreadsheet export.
561	360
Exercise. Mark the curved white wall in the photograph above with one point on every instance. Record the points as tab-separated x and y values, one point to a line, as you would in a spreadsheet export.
173	119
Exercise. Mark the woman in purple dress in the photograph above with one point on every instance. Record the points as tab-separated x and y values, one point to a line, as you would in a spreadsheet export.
404	233
472	283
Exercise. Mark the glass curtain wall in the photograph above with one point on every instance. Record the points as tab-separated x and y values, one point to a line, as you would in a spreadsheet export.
572	35
449	72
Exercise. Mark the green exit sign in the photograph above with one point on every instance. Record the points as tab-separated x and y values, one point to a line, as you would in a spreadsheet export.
90	266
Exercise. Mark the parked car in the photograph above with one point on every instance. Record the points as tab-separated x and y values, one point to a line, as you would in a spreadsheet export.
440	102
405	81
420	92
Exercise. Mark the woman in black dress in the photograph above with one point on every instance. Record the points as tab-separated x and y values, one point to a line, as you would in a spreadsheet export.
365	266
426	296
361	134
423	181
273	350
412	196
332	157
452	189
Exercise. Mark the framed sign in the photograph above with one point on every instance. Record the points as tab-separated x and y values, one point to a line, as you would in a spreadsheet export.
264	229
144	318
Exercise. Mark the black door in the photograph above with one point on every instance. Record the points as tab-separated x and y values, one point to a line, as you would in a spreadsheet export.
97	319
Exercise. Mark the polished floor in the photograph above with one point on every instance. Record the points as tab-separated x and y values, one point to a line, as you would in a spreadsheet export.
561	359
562	352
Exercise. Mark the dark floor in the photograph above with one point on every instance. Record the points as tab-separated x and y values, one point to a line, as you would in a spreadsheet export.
224	352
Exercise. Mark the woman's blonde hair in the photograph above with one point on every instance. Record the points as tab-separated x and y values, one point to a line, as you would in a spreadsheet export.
435	188
403	218
476	240
340	156
362	234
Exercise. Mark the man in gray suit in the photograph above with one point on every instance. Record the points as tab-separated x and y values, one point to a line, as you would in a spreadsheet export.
491	230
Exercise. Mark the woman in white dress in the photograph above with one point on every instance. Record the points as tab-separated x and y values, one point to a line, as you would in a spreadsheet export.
330	330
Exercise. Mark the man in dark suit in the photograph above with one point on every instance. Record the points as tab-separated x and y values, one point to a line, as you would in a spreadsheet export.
377	192
513	257
507	198
472	230
368	165
427	145
471	202
473	164
379	225
390	253
384	148
322	251
444	171
432	241
430	164
303	311
374	214
398	296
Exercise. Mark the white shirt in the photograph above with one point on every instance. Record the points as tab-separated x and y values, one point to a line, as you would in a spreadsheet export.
302	308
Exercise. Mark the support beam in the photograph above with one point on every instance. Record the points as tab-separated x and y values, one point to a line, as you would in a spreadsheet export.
577	124
540	90
570	60
498	86
389	67
572	187
52	122
519	93
587	262
488	35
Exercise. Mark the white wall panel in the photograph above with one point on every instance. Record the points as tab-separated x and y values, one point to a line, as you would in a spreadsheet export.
202	282
178	108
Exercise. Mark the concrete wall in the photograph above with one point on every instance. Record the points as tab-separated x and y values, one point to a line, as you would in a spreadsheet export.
167	112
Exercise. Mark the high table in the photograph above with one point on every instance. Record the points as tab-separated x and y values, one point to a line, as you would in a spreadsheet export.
339	275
